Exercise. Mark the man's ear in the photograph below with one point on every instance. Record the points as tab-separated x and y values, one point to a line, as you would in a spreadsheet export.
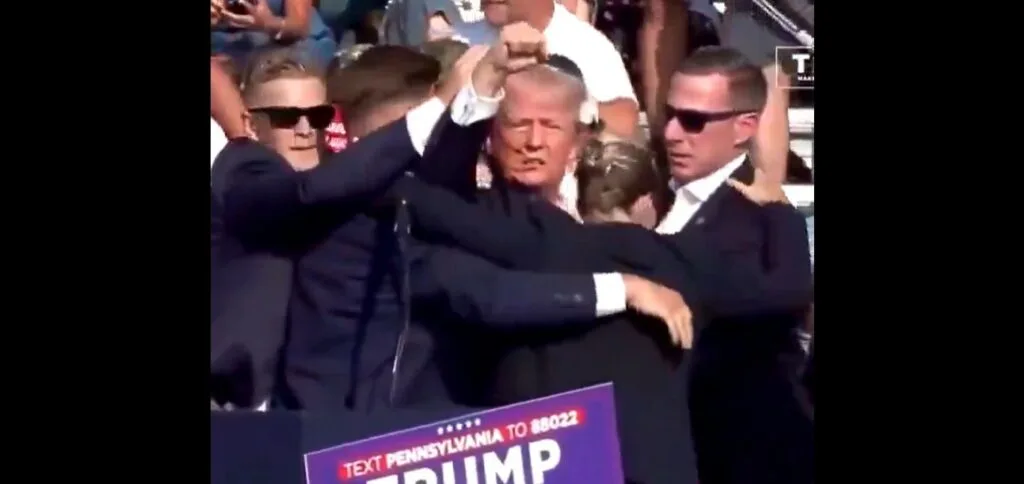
746	127
250	128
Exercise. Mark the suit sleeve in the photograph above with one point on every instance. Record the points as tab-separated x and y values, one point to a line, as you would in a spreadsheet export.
440	215
451	153
782	282
479	291
722	284
262	194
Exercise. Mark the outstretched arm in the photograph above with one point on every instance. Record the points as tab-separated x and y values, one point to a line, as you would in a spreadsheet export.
261	193
479	291
440	215
782	282
722	284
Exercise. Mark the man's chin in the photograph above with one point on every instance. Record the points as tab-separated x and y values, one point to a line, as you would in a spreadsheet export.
529	179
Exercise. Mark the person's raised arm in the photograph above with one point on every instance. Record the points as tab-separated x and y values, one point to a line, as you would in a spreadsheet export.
261	192
455	143
662	42
226	106
771	142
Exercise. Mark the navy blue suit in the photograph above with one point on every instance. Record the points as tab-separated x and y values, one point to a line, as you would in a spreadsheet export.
349	343
746	275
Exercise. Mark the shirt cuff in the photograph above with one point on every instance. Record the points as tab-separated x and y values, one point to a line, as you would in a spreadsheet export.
611	293
421	120
468	107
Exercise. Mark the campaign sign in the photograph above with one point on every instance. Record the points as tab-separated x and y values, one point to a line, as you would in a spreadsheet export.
568	438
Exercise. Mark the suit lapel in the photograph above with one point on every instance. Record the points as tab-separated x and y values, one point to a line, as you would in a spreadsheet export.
708	211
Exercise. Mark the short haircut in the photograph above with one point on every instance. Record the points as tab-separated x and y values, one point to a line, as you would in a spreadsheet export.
546	76
383	74
446	52
613	173
272	64
748	89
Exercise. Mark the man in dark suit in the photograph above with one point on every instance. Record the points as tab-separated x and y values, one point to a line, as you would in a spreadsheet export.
350	340
747	423
749	426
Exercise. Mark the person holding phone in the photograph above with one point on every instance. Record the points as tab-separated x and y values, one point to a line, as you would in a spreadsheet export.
245	25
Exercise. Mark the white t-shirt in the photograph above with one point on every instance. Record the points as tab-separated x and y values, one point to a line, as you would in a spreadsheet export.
603	71
218	140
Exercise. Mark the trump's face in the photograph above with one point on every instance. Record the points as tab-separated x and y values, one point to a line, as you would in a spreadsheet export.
536	133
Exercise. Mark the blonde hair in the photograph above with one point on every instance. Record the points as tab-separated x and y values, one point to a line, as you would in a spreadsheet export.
613	173
273	63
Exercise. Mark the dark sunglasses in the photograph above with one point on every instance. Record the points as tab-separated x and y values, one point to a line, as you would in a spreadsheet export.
287	117
693	121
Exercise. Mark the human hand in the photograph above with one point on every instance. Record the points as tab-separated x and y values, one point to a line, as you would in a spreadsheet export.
518	46
762	191
663	303
256	16
216	11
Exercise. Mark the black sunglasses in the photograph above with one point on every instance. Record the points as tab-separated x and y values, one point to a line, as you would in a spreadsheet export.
693	121
287	117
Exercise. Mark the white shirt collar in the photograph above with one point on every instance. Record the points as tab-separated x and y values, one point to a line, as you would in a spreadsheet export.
702	188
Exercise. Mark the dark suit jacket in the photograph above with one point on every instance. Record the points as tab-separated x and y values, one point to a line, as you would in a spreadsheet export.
732	285
249	292
748	423
345	273
347	322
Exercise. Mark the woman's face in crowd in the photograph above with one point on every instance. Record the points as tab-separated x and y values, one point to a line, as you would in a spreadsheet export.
297	143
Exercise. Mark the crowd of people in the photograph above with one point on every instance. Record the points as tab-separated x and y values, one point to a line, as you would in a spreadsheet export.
476	213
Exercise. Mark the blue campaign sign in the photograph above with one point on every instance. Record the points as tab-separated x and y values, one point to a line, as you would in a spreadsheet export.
566	438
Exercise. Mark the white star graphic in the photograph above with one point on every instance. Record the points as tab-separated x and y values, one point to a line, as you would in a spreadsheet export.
476	422
440	431
468	424
458	426
449	428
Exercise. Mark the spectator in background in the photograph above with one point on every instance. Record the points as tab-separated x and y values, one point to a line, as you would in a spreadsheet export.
413	22
671	29
226	107
350	19
446	52
603	71
246	25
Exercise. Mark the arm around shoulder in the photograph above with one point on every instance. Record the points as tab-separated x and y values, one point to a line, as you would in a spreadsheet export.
261	191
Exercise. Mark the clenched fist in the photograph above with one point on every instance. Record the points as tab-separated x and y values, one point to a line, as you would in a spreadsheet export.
518	46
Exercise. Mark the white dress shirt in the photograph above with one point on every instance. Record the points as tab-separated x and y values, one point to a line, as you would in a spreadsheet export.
690	197
218	140
603	70
467	108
